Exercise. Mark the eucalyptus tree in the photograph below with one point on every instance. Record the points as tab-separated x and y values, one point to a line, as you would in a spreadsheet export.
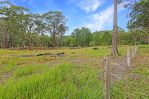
9	20
30	28
5	15
86	36
126	3
76	35
40	26
115	31
61	30
82	36
139	17
54	20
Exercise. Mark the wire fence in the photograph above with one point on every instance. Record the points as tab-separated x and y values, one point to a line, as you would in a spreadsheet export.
120	65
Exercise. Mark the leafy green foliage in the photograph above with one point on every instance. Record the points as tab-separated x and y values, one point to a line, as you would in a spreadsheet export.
82	36
139	15
19	27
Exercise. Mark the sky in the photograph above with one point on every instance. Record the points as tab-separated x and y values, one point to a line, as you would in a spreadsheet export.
93	14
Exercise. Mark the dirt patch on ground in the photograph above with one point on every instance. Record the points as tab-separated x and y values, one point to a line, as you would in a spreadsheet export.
5	76
139	59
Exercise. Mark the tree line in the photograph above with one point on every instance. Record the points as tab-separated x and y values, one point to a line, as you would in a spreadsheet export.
19	27
83	37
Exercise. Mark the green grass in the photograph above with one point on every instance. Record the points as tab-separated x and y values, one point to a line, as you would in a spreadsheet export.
136	87
62	81
71	77
136	82
28	70
37	77
9	66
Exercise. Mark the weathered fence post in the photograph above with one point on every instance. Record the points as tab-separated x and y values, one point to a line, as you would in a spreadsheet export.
133	52
128	57
106	79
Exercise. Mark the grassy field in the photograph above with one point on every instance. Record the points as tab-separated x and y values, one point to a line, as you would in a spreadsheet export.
135	84
76	75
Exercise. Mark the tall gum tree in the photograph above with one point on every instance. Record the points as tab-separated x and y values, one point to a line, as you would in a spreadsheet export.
139	18
53	21
125	3
115	31
9	21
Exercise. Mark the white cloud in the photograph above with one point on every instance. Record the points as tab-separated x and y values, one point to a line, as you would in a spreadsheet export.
125	4
101	20
90	5
86	5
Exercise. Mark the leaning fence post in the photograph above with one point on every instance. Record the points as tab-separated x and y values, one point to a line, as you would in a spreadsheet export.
106	79
128	57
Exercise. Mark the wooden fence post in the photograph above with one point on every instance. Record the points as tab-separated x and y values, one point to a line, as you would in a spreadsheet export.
133	52
106	79
128	57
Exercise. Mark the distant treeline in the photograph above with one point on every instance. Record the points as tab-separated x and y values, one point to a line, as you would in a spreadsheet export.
84	38
81	38
20	28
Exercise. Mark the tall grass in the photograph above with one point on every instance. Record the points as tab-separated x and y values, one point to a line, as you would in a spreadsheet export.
30	69
33	78
63	81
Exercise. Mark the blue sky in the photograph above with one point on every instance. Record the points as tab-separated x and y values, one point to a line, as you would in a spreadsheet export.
94	14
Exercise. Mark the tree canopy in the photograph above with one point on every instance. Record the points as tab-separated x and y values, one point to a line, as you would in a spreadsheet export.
139	16
19	23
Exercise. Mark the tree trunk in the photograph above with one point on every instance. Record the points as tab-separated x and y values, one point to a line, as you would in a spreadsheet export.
61	40
115	31
30	44
22	41
5	40
53	40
